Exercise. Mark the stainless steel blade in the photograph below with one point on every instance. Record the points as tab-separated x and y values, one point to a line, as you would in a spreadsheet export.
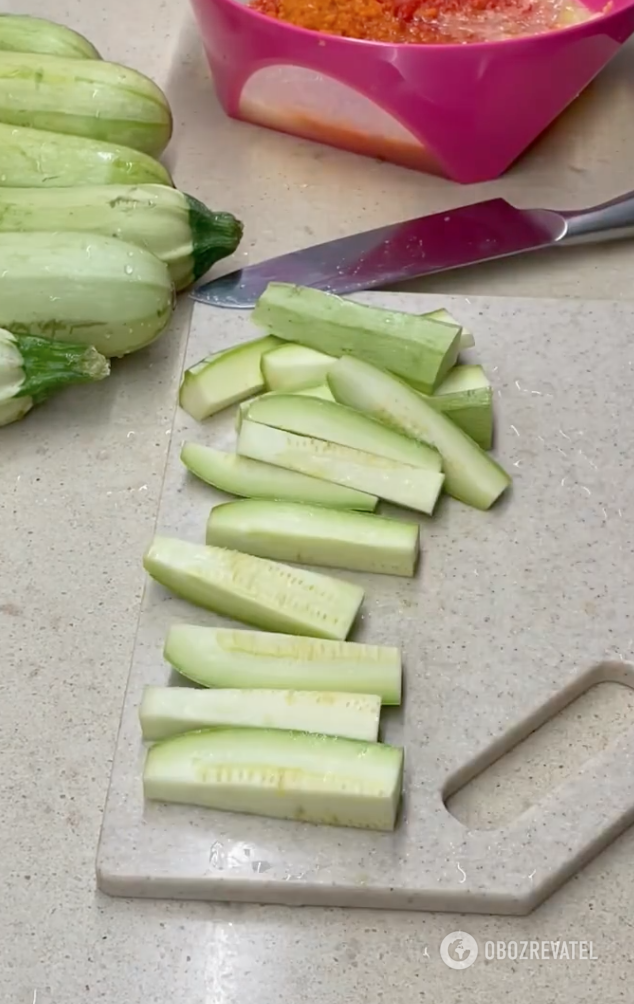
453	239
394	253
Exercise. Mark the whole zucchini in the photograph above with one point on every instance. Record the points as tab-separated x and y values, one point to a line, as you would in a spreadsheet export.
83	288
175	227
91	98
31	158
21	33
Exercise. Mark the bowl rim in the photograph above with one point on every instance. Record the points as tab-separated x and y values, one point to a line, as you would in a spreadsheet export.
600	18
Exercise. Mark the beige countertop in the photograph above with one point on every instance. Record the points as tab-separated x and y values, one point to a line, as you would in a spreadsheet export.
80	487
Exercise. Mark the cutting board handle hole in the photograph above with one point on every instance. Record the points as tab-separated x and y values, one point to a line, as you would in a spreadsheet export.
545	755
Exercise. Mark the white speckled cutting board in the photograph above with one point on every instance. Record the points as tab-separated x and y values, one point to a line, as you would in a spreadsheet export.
513	614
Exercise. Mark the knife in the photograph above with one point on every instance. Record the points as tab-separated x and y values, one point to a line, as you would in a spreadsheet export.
458	237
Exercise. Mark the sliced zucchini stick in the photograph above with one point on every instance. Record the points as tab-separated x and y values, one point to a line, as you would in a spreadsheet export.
314	535
466	397
293	367
309	416
286	775
259	592
471	474
414	487
239	476
412	345
321	390
224	378
467	341
223	657
170	711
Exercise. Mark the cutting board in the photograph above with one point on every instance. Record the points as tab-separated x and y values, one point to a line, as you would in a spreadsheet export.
513	614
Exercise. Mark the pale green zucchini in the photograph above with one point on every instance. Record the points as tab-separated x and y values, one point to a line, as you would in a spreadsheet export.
412	345
327	420
466	397
471	475
170	711
286	775
83	288
315	535
415	488
224	378
22	33
249	478
33	369
91	98
222	657
293	367
321	390
467	341
33	158
259	592
175	227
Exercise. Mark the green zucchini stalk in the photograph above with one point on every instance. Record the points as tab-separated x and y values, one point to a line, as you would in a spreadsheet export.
214	235
32	369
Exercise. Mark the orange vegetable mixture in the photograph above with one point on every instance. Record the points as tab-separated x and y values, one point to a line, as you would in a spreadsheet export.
426	21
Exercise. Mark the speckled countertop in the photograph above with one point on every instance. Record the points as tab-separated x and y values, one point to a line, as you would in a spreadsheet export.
80	486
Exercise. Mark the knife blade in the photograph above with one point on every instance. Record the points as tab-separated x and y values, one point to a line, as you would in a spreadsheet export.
453	239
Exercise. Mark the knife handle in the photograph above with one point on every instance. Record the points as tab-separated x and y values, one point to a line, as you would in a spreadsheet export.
612	220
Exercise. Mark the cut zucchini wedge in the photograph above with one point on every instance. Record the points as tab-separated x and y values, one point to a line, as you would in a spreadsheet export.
293	367
170	711
249	478
471	474
286	775
259	592
414	487
465	396
313	535
467	341
415	346
321	390
224	378
310	416
223	657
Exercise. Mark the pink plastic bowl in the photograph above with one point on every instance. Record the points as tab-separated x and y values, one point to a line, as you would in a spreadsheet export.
463	111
